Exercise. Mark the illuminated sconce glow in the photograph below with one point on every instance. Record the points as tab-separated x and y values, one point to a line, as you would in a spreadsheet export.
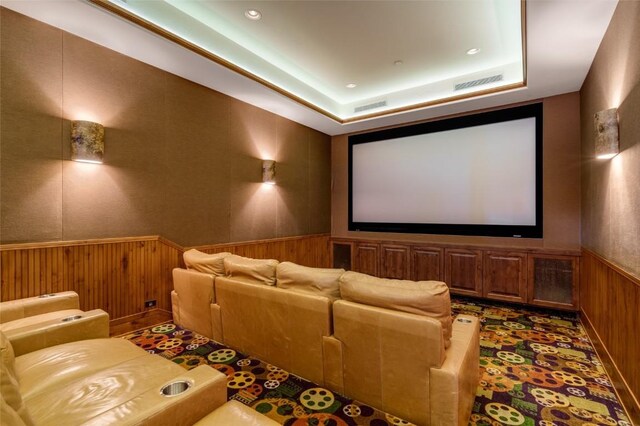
269	172
87	142
351	85
606	126
473	51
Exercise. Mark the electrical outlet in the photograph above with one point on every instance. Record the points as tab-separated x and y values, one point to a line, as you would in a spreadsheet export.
150	303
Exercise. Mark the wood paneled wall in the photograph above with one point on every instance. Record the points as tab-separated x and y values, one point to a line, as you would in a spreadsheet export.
119	274
307	250
609	301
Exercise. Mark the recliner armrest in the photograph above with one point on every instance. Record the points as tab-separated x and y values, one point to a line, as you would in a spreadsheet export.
91	325
30	306
207	392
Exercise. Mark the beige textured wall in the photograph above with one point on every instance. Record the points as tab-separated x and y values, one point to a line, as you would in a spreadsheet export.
181	160
611	189
561	186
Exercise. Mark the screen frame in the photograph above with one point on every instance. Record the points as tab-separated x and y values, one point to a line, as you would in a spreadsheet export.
534	110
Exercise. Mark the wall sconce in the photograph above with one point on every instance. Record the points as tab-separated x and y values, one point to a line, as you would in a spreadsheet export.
269	172
607	143
87	141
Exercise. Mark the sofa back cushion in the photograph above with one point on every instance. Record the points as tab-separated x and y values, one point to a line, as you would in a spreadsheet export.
253	271
320	281
203	262
427	298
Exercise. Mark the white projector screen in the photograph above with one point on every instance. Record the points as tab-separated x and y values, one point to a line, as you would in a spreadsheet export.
475	175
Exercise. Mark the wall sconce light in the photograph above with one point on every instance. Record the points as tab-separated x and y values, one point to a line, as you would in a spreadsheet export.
607	143
87	141
269	172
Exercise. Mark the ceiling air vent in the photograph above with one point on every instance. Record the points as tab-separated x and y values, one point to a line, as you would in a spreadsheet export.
370	106
478	82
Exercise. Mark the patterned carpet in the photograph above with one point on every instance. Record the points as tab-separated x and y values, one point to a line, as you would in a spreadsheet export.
538	368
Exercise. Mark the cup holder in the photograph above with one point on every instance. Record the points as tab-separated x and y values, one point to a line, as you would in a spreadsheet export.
43	296
175	388
73	318
464	320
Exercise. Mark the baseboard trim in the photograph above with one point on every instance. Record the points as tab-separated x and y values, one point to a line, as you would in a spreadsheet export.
625	396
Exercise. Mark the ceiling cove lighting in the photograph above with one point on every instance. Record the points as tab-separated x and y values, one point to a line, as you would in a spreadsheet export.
269	172
87	142
253	14
606	126
473	51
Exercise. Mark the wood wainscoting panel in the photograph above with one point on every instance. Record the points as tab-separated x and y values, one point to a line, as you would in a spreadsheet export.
307	250
118	275
367	259
427	263
505	276
463	271
395	262
609	301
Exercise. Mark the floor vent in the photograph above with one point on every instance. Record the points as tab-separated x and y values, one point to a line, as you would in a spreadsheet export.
370	106
478	82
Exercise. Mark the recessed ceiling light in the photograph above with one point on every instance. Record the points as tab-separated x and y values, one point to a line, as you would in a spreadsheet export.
351	85
398	62
473	51
253	14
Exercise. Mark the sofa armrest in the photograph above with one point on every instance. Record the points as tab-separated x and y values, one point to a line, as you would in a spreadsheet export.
194	294
30	306
453	385
91	325
332	358
208	391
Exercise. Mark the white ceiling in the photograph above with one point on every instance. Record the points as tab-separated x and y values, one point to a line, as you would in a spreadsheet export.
314	48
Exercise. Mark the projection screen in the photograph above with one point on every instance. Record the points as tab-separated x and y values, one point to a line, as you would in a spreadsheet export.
473	175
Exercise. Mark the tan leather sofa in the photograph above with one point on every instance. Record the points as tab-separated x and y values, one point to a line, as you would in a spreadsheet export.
38	322
102	382
399	351
388	343
282	326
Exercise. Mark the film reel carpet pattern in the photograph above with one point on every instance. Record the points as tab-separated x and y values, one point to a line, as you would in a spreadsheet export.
284	397
537	369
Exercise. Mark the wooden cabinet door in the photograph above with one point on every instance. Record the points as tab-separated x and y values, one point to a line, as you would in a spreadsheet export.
463	271
553	281
427	263
395	261
341	255
366	259
505	276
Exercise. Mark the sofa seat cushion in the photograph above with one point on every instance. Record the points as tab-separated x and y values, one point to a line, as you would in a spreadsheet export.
93	393
320	281
37	319
236	413
252	271
204	262
49	369
427	298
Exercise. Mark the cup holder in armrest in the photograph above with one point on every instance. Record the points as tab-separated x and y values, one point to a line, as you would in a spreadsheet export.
464	320
43	296
72	318
175	388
